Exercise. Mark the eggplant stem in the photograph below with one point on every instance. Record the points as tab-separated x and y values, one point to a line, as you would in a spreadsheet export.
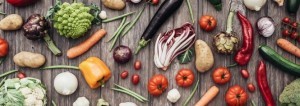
141	45
229	22
60	67
117	17
50	44
7	73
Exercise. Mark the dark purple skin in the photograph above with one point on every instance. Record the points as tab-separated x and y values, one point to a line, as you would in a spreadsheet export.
122	54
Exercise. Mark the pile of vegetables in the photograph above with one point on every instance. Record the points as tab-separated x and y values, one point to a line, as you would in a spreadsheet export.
172	43
22	92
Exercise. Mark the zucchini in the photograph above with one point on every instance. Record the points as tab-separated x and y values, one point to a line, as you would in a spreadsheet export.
217	4
274	58
292	6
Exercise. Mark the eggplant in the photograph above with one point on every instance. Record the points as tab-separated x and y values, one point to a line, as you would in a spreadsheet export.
292	6
164	12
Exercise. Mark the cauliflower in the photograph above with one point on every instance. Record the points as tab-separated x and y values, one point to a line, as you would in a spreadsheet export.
291	94
73	20
173	95
81	101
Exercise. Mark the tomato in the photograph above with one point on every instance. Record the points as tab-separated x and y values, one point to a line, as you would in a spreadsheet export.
157	85
221	75
294	35
236	96
294	25
137	65
21	75
185	78
245	74
286	20
124	74
135	79
286	33
251	87
207	23
3	47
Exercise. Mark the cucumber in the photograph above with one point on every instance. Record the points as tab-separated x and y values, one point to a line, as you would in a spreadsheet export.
274	58
292	6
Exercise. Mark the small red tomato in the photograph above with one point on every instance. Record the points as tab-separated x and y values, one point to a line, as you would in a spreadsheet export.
286	20
21	75
251	87
137	65
294	24
221	75
286	33
3	47
154	2
245	74
124	74
135	79
207	23
294	35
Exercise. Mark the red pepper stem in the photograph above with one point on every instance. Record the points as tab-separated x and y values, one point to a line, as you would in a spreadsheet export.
51	45
232	65
229	22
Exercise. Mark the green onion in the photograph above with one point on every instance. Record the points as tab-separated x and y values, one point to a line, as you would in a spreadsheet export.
134	21
192	94
131	92
118	34
117	17
118	29
60	67
7	73
190	10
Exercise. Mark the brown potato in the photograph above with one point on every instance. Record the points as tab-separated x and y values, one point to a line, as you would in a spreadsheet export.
114	4
28	59
204	56
11	22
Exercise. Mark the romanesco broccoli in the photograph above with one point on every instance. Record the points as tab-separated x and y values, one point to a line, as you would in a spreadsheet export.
291	94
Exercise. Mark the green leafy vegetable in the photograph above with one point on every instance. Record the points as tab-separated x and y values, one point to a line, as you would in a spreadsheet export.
291	94
186	56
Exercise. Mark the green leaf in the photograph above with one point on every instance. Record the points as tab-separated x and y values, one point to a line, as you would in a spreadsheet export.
185	57
53	9
95	11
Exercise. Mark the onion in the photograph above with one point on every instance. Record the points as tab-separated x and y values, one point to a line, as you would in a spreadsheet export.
65	83
254	4
172	43
265	26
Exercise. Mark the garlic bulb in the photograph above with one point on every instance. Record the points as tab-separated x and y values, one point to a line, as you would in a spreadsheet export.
65	83
254	4
173	95
103	15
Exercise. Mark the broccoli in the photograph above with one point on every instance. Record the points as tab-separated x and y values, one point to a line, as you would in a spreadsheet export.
291	94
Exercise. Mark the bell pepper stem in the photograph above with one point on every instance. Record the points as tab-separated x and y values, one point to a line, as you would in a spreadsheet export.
7	73
60	67
51	45
229	22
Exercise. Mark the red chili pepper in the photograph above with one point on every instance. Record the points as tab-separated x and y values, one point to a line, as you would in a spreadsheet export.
243	56
262	82
21	3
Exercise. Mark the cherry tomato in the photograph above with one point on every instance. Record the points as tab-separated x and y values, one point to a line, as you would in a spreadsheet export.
135	79
294	35
251	87
153	2
221	75
236	96
294	24
124	74
157	85
245	74
286	20
137	65
21	75
286	33
207	23
3	47
185	78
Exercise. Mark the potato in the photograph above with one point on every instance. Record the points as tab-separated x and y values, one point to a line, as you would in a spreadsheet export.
11	22
114	4
204	56
28	59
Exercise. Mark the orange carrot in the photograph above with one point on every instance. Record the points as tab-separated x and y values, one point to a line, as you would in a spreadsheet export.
208	96
289	47
86	45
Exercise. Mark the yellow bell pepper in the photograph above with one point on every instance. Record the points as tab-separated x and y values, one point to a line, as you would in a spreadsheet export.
95	72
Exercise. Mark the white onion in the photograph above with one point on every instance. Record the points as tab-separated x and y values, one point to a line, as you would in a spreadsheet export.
254	4
65	83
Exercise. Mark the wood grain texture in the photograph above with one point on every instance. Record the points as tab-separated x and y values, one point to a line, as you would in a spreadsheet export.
277	79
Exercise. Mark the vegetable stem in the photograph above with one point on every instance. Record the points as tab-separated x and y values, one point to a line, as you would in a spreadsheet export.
53	48
7	73
190	10
131	92
117	17
192	94
118	29
134	21
229	22
118	34
141	45
60	67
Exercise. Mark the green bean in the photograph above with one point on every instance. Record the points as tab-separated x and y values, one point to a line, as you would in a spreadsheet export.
2	60
134	21
123	91
190	10
192	94
60	67
118	29
117	17
118	34
7	73
130	92
2	81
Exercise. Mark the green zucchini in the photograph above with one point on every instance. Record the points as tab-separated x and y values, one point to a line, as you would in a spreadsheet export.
274	58
217	4
292	6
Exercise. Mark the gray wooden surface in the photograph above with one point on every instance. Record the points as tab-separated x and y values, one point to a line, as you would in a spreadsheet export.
277	79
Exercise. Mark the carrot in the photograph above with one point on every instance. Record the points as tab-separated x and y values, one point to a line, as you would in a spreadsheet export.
208	96
289	47
86	45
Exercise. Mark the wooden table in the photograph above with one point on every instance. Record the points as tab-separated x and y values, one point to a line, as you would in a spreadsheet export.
277	79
